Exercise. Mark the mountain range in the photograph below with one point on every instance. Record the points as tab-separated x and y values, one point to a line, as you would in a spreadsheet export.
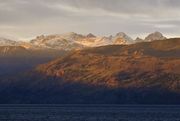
74	41
142	72
15	55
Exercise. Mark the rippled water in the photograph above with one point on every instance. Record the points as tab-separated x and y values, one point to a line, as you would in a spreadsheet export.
88	113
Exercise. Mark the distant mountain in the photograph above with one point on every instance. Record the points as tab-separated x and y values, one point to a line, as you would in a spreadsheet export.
62	41
13	51
141	73
151	37
138	40
17	59
74	41
154	36
121	38
90	35
7	42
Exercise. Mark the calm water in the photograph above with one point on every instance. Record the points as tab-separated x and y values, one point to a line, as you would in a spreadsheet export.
88	113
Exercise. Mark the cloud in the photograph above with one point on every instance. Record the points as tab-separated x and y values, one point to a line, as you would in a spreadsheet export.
27	18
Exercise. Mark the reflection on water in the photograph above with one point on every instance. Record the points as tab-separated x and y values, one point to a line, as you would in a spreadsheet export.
88	113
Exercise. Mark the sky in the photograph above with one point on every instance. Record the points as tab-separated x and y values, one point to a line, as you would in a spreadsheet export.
26	19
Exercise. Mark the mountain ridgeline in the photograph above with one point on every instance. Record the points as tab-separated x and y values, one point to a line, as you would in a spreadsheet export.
17	59
140	73
19	56
74	41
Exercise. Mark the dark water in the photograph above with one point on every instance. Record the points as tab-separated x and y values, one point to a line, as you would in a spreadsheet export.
88	113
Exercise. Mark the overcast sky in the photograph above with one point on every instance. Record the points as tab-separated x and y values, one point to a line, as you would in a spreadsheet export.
25	19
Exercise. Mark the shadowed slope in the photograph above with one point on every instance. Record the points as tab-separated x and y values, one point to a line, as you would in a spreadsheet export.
16	59
143	73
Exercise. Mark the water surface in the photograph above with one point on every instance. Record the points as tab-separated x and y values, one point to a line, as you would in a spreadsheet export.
89	113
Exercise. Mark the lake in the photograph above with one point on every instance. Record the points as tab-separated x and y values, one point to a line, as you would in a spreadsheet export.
89	113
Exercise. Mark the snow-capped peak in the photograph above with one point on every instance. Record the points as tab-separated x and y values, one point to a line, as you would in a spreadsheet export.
155	36
71	41
122	38
90	35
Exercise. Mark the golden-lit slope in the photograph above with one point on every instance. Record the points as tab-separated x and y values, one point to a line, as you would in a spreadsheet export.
147	64
143	73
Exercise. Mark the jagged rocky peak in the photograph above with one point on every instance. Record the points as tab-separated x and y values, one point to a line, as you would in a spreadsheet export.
90	35
72	40
40	37
121	34
66	41
71	34
155	36
138	39
122	38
